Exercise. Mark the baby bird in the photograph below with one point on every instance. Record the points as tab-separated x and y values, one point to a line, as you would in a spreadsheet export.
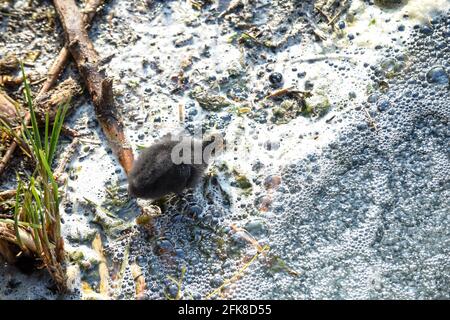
170	165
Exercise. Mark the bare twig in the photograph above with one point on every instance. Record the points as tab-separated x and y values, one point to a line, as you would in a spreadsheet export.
289	91
69	132
100	87
370	120
322	13
322	57
344	6
53	74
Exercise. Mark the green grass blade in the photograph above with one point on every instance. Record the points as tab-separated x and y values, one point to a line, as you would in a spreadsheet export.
12	133
47	122
57	126
36	137
54	138
32	213
32	216
17	212
35	194
50	175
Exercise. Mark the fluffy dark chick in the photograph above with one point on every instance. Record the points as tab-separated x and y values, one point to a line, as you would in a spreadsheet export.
154	174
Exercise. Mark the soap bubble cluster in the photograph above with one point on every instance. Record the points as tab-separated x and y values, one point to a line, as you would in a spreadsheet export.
365	218
375	225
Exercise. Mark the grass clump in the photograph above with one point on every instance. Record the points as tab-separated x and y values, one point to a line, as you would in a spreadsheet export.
36	227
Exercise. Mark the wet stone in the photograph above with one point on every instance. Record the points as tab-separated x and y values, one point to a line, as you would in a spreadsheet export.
276	79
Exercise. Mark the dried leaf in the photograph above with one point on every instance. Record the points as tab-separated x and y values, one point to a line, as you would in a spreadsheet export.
139	281
102	266
87	293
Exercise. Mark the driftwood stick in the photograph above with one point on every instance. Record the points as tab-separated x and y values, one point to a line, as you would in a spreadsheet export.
53	74
100	87
63	56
